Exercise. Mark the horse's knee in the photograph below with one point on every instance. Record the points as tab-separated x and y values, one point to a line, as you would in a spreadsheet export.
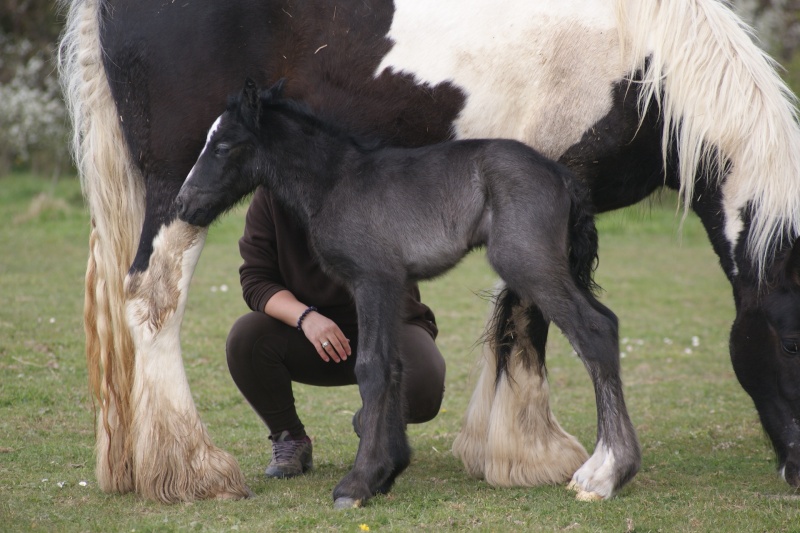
605	325
595	336
606	312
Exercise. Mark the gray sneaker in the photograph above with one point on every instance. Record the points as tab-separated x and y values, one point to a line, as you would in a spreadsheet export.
289	457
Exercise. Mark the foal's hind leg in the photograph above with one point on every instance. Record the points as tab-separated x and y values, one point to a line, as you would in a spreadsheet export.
383	451
592	330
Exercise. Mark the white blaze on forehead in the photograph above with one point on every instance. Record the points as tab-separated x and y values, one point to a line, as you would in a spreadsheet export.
211	132
213	129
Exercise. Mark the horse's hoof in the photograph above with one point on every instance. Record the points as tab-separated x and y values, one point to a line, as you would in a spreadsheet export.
573	486
587	496
346	503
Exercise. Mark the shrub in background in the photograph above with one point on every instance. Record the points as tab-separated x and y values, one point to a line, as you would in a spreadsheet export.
33	119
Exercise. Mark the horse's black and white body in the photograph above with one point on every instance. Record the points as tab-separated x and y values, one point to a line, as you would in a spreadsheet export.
631	95
380	217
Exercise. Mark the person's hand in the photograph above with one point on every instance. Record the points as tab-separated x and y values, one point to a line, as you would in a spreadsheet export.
326	337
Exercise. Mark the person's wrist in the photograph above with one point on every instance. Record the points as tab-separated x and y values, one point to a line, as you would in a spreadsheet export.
310	309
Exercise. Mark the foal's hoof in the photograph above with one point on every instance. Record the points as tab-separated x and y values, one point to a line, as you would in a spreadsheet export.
586	496
344	502
583	495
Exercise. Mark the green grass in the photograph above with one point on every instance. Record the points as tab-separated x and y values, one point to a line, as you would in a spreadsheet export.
707	465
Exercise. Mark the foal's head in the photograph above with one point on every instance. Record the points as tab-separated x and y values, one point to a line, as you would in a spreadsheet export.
232	163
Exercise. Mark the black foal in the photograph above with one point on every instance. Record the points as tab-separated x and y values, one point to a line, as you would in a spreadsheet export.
379	217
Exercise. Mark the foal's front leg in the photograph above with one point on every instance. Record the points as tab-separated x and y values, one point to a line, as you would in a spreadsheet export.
383	452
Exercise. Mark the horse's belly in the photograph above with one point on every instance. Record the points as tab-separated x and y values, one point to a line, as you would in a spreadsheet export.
542	75
440	242
432	257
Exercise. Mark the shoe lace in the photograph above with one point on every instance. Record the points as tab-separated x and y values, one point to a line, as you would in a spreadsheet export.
285	450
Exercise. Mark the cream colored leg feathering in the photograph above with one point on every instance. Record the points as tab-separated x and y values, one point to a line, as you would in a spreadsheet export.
510	437
173	456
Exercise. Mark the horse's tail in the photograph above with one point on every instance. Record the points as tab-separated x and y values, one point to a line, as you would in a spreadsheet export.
583	241
501	330
114	191
721	101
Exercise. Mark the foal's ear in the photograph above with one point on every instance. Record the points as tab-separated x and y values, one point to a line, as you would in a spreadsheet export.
250	103
276	91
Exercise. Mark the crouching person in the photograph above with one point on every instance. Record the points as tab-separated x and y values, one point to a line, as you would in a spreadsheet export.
303	329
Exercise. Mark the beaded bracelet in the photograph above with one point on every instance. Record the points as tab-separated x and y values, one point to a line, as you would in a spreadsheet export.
303	316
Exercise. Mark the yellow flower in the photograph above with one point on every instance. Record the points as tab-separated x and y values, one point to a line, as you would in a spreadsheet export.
363	527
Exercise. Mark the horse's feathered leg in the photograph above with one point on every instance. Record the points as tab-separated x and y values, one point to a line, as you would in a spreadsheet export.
470	444
526	446
173	457
493	444
175	460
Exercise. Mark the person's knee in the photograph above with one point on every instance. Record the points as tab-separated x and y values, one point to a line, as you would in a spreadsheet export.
245	335
423	375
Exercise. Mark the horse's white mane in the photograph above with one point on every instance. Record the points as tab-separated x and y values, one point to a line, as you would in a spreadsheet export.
717	89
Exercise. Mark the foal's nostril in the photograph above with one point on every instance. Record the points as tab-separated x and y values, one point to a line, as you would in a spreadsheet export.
180	208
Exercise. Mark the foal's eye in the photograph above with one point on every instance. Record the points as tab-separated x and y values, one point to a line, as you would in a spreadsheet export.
222	149
790	346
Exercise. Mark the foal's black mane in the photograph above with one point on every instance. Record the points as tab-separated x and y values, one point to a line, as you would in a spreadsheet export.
300	111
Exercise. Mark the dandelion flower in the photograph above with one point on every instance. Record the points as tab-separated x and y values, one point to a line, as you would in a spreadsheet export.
363	527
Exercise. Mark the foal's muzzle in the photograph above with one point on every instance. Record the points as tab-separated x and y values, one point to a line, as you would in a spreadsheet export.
190	207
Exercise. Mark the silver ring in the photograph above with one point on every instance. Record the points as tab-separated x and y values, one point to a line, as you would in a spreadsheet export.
325	344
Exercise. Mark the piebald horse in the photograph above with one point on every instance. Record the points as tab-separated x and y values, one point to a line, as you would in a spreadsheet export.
631	95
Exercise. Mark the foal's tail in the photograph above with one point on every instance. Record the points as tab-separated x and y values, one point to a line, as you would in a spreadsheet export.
582	234
512	323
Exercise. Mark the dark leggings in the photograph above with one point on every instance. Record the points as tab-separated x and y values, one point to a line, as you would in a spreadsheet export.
265	356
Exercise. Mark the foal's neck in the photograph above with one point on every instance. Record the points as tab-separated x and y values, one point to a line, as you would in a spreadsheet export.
305	158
